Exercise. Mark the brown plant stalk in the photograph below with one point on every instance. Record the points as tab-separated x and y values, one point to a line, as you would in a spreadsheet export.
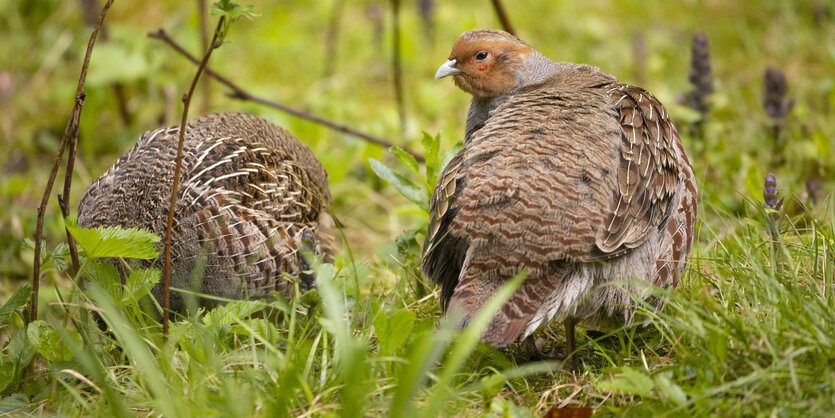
500	12
241	94
70	136
166	283
205	104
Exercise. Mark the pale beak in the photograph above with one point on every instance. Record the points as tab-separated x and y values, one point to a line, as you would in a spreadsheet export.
447	69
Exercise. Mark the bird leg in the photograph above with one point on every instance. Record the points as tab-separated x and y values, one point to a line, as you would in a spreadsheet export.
570	343
529	349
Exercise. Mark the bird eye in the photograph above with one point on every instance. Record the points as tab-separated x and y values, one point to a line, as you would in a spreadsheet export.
481	56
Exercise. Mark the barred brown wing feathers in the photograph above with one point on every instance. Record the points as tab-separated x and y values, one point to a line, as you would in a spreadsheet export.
250	195
443	254
648	171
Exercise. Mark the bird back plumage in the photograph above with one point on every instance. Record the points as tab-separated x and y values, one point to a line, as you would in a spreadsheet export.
578	181
250	197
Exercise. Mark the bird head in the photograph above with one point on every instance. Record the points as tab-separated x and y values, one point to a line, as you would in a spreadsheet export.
488	63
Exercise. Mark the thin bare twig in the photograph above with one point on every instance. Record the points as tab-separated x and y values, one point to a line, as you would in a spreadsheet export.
166	297
90	9
500	12
239	93
71	131
396	66
205	104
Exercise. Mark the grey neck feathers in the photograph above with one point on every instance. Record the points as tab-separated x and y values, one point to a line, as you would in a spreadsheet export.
535	69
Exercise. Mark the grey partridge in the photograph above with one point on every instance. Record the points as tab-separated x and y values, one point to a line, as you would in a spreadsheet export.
565	173
250	197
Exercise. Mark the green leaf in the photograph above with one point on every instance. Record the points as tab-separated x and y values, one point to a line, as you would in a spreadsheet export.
6	373
140	282
21	351
227	314
404	186
408	160
105	275
29	243
18	300
48	342
671	390
13	402
114	241
431	149
630	380
58	256
233	12
392	332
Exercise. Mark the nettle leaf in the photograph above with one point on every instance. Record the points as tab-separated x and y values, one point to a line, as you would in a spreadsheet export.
630	380
58	256
18	300
49	343
404	186
114	241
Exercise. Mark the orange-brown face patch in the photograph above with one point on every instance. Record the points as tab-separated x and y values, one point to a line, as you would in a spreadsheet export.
496	73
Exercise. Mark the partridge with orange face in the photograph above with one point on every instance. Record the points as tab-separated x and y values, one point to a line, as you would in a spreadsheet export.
567	174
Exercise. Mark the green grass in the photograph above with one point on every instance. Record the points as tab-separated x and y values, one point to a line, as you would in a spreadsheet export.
749	331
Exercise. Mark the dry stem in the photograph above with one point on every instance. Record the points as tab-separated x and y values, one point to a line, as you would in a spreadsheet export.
500	12
70	135
166	283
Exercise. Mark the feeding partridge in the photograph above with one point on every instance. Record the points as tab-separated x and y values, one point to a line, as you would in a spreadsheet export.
250	197
565	173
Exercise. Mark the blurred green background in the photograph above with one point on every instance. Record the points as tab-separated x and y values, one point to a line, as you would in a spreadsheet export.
334	59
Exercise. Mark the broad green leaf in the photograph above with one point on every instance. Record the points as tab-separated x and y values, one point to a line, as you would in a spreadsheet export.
14	401
140	282
671	390
392	332
630	380
400	327
48	342
21	351
114	241
105	275
408	160
6	373
227	314
18	300
431	149
403	185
